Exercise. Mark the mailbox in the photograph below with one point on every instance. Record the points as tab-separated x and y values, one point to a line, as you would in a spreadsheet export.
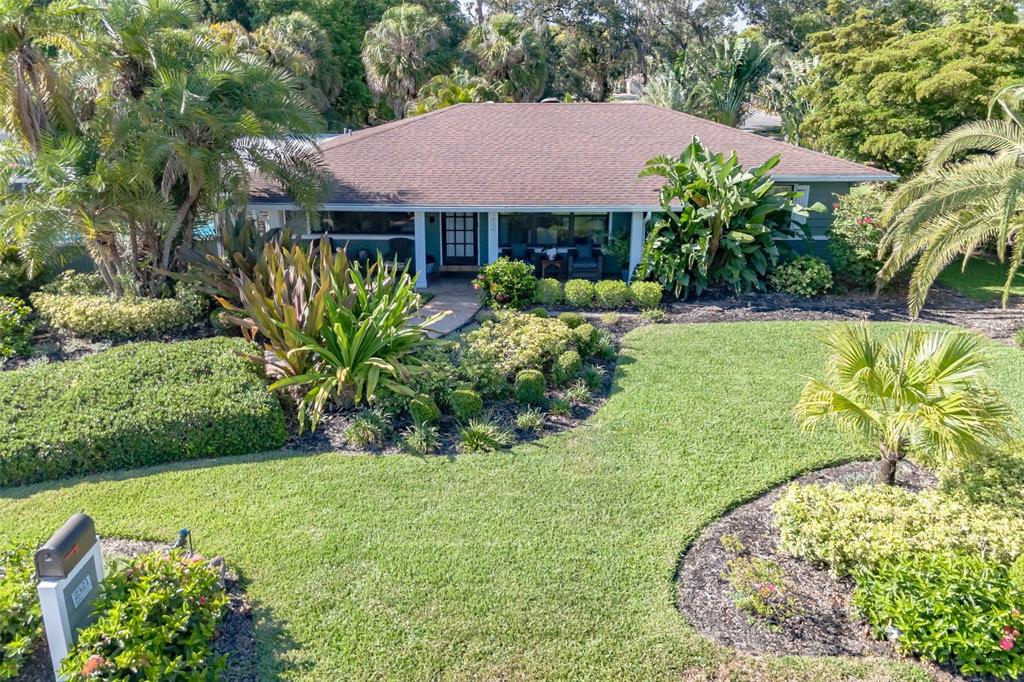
66	548
69	568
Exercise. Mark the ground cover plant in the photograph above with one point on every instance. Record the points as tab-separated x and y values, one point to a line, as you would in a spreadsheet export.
133	405
16	327
802	276
496	564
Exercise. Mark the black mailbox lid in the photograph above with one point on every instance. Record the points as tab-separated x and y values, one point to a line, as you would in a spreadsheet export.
66	547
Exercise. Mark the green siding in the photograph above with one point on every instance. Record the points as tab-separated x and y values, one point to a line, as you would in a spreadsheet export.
433	234
819	223
482	244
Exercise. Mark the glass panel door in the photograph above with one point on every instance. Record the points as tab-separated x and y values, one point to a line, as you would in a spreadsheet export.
458	235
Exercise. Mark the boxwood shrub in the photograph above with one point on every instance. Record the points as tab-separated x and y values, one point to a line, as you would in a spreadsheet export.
548	292
802	276
611	294
579	293
646	295
134	405
530	386
100	316
15	327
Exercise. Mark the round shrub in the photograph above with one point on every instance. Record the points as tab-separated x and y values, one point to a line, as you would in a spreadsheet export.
567	367
611	294
855	234
135	405
506	283
802	276
423	409
571	320
646	294
530	387
548	292
585	336
579	293
465	403
539	312
15	327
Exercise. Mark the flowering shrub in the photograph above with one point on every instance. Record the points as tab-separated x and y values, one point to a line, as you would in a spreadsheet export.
802	276
506	283
860	527
855	234
946	606
20	616
158	614
15	327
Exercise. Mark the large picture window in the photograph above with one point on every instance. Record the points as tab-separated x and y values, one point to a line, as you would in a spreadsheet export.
366	222
552	229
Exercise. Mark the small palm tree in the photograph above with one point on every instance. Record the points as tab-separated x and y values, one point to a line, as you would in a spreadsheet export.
969	194
511	52
921	392
398	53
730	73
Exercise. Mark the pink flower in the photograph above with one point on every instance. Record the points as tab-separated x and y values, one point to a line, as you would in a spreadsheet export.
94	662
1006	643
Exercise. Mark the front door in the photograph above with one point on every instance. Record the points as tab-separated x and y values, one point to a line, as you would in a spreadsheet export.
458	234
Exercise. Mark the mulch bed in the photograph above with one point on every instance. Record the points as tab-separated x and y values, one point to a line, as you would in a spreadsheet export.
236	639
824	624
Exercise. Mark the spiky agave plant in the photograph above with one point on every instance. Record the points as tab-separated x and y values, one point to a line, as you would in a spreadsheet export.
367	339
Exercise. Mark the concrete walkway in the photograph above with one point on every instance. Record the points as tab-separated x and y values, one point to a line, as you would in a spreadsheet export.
456	296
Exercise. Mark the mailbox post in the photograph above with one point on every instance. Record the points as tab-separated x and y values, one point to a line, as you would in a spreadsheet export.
69	568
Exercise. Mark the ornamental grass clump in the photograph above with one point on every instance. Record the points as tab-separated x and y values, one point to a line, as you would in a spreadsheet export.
917	392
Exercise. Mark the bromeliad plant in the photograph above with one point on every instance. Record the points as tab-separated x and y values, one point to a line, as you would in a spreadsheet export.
367	340
329	326
718	222
921	392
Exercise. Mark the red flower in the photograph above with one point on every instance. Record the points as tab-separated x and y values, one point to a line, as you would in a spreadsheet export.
1015	613
202	601
1006	643
94	662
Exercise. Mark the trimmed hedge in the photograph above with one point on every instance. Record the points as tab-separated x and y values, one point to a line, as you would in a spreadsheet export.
100	316
135	405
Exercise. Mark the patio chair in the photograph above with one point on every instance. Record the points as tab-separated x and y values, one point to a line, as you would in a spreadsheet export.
586	263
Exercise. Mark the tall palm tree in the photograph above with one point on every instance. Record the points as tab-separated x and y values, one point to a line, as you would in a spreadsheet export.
35	98
666	89
453	88
398	53
916	392
512	53
780	95
970	193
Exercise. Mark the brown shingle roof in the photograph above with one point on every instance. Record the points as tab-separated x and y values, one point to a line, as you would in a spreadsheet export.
530	155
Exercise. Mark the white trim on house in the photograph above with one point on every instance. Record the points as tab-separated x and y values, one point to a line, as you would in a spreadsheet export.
636	240
468	208
492	236
420	235
834	178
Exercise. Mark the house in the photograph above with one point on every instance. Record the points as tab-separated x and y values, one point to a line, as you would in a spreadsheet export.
455	188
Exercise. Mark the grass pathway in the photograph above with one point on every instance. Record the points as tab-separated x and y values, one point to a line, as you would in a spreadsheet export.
556	560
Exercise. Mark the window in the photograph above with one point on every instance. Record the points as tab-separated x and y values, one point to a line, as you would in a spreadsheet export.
552	229
366	222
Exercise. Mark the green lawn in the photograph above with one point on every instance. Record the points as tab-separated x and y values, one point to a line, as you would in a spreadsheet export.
556	560
983	280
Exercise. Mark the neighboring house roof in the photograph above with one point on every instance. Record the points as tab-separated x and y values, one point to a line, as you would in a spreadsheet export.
538	155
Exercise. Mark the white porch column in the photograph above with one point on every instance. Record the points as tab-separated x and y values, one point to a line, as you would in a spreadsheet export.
420	232
275	219
492	236
636	241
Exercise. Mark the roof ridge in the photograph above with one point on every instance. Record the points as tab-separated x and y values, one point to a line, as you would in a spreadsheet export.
356	136
763	138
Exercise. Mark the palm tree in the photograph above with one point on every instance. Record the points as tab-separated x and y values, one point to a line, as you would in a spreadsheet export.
34	96
970	193
666	89
397	53
454	88
916	392
729	73
512	53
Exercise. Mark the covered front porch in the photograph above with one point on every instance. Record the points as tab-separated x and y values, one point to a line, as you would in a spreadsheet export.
564	243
